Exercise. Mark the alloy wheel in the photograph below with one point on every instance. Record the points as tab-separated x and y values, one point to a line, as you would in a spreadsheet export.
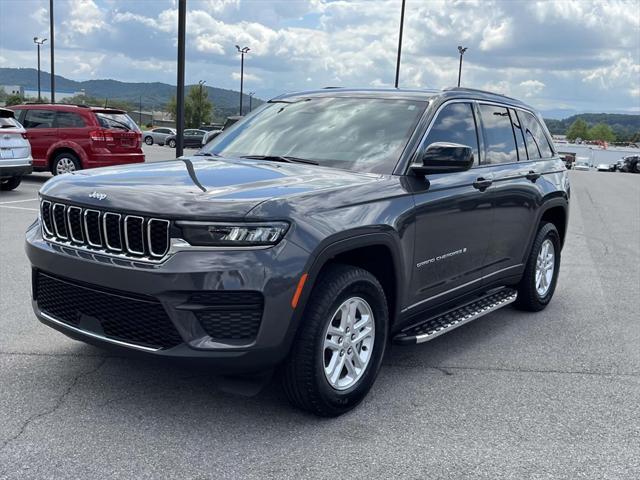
545	266
65	165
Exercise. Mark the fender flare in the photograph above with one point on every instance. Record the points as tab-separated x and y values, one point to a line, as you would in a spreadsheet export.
548	204
68	145
333	246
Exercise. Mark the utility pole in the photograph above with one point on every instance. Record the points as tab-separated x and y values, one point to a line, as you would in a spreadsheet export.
39	42
182	20
400	44
251	94
461	50
242	52
140	112
53	63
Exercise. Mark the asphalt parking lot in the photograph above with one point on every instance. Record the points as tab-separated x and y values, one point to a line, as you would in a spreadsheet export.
513	395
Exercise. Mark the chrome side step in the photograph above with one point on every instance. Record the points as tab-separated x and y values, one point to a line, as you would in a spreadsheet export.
435	326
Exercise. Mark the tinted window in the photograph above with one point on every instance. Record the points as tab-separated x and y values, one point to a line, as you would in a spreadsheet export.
120	121
361	134
39	119
69	120
163	130
517	130
498	135
455	124
537	142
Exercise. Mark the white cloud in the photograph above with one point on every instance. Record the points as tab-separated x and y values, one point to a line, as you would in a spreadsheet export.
248	77
531	88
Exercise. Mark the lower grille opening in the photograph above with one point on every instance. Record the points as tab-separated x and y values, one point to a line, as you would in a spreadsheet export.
229	315
115	315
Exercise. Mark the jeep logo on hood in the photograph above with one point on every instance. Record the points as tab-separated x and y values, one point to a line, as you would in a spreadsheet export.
98	195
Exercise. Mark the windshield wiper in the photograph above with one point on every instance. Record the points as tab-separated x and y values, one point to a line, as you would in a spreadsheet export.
281	158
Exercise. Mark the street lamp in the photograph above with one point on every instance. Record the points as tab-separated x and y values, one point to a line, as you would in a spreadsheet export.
39	42
251	94
242	52
461	50
201	104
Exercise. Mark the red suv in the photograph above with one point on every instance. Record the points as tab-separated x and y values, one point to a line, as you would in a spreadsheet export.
65	138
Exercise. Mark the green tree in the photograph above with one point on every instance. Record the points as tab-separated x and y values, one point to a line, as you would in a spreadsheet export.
97	102
13	100
602	132
197	107
578	129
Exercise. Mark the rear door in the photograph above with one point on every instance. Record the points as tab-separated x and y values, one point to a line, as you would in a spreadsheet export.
73	128
453	216
514	158
41	133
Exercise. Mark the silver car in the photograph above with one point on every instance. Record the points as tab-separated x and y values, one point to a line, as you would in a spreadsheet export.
15	151
157	135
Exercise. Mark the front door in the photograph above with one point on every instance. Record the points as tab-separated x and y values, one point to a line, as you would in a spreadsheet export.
453	216
41	133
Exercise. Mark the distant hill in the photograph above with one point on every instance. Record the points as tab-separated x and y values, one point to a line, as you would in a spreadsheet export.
623	125
155	95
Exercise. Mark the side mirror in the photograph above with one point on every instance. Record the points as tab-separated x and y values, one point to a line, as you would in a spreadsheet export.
444	157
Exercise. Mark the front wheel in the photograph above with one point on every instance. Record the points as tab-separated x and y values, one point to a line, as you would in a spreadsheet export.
339	347
172	143
538	283
11	183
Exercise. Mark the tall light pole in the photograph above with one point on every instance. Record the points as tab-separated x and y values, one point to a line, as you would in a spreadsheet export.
242	52
251	94
39	42
182	22
201	103
51	51
461	50
400	44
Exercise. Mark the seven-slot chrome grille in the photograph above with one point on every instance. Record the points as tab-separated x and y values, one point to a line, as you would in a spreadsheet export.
107	232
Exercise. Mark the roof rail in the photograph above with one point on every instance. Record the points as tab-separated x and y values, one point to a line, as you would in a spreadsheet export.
477	90
327	88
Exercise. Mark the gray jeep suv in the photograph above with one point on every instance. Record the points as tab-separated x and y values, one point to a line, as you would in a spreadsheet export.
309	235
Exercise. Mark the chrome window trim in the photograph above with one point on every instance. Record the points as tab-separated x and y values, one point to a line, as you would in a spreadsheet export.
73	207
55	224
126	235
86	228
106	234
168	224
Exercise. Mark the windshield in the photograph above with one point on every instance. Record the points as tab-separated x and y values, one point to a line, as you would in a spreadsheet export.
117	120
361	134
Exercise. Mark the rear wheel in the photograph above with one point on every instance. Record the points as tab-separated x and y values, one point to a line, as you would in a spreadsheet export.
172	143
148	140
538	283
338	350
65	162
11	183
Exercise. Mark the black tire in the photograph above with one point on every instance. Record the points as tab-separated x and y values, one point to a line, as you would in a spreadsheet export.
65	157
148	140
302	374
172	143
11	183
528	297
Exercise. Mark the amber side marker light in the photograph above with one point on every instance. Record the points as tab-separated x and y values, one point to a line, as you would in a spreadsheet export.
296	296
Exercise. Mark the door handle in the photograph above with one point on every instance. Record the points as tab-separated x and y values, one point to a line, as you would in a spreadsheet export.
532	175
482	183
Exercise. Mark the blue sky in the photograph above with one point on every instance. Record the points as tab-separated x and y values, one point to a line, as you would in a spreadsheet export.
578	55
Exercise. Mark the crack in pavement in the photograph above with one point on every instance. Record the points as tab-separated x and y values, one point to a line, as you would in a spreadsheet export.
444	369
59	403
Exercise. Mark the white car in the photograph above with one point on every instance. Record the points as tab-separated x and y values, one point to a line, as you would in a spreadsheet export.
15	151
157	135
581	166
604	167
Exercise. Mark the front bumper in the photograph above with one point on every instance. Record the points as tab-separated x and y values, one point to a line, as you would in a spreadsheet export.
274	272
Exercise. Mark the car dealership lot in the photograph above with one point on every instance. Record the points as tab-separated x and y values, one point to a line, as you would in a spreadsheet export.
513	395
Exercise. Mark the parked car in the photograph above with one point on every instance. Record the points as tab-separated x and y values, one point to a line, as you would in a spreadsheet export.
569	158
192	138
606	167
66	138
582	163
406	216
15	151
214	133
157	135
630	164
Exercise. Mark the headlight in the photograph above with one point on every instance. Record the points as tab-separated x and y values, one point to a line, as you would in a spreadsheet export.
233	234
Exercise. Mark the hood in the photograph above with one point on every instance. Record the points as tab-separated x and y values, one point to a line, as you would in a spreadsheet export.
193	187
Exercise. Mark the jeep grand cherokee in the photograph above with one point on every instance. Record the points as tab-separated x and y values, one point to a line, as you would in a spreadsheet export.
309	235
